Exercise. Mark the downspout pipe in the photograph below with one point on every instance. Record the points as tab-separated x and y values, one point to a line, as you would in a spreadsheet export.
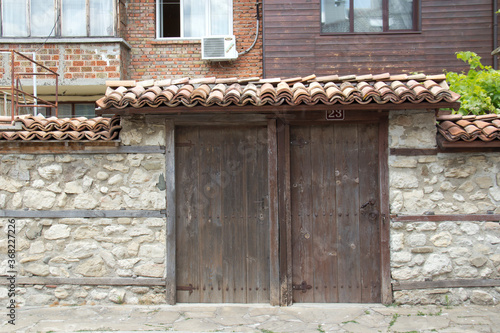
495	33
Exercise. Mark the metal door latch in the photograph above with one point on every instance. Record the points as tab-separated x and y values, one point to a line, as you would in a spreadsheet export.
303	286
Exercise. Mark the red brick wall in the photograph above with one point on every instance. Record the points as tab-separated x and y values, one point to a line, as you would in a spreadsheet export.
94	63
156	59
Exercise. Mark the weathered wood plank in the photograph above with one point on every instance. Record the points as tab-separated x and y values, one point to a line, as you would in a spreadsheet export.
385	254
80	213
443	218
323	209
106	281
187	192
170	256
347	202
38	148
301	199
396	286
284	213
274	264
369	214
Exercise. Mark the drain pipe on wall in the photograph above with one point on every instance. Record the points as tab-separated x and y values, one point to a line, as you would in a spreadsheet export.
495	34
257	4
35	102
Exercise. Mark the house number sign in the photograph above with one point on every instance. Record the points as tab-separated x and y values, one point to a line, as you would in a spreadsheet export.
335	115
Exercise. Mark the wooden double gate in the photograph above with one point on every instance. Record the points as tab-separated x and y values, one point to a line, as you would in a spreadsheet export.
311	234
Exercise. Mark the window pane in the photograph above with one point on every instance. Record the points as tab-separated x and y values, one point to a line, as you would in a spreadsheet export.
64	111
368	16
170	18
101	18
85	110
220	11
194	18
74	18
335	16
400	14
42	18
14	13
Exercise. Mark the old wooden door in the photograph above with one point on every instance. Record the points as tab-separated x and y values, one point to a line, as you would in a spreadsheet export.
222	225
335	217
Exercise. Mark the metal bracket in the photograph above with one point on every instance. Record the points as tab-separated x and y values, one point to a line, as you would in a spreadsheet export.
303	286
189	288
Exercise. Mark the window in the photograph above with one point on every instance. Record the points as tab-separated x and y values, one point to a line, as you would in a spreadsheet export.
70	110
339	16
58	18
194	18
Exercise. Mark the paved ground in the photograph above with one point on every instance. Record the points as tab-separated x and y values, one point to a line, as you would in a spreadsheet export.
254	318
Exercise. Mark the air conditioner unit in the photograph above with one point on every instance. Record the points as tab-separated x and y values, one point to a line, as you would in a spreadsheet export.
218	48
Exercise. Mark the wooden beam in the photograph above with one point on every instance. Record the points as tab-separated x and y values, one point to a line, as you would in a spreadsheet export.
80	213
275	108
37	148
272	156
385	254
170	255
106	281
396	286
460	144
444	218
413	152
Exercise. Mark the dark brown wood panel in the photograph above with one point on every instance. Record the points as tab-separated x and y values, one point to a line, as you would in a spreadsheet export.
293	44
222	215
335	213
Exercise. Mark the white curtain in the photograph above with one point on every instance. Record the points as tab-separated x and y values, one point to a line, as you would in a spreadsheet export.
220	14
14	13
400	14
368	16
194	18
74	18
101	18
42	18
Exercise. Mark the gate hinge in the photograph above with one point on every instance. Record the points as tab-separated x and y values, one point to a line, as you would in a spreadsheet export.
189	288
303	286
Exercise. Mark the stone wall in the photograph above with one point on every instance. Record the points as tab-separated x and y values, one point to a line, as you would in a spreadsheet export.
446	184
86	248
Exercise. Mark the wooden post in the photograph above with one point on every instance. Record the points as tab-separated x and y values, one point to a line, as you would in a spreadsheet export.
170	280
285	219
385	229
272	154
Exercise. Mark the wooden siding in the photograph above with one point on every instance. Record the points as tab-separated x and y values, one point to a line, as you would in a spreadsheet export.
293	44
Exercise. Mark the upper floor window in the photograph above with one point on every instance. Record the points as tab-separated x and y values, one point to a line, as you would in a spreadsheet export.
193	18
339	16
58	18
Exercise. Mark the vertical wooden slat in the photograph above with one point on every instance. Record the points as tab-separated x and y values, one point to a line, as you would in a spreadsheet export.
272	156
383	148
323	203
301	197
170	255
369	215
347	199
284	213
187	191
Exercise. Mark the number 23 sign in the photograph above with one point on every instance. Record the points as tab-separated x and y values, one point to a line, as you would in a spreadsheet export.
335	115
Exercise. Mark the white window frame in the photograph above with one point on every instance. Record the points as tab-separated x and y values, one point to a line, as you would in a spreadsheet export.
207	27
58	15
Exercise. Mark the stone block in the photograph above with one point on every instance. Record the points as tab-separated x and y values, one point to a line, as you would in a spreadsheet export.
92	267
423	249
480	297
478	261
403	180
39	200
50	172
437	264
57	231
150	270
442	239
495	193
484	182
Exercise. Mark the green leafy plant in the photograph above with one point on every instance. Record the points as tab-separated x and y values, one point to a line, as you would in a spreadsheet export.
479	88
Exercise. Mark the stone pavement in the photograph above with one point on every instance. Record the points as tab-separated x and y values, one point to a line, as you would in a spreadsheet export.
254	318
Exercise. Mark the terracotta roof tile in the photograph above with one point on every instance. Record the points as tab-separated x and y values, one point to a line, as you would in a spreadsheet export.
469	128
75	129
310	90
